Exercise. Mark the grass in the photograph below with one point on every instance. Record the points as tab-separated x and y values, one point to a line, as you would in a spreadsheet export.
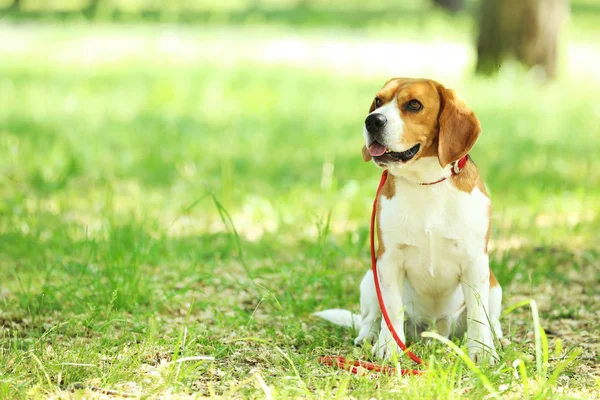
152	212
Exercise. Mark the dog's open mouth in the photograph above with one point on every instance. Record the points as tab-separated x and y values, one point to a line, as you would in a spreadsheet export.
381	153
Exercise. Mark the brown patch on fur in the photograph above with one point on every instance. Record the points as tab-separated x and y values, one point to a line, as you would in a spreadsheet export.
467	183
388	91
365	154
459	127
493	280
431	150
483	190
388	190
389	187
422	126
467	179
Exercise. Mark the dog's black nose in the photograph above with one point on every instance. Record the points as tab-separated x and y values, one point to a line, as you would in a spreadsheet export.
375	122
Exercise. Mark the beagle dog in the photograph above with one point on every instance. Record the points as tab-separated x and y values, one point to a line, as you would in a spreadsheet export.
433	224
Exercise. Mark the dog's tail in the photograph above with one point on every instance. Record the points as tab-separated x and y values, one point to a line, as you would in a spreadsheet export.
340	317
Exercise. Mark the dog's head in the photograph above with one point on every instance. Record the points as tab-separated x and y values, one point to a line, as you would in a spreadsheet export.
411	119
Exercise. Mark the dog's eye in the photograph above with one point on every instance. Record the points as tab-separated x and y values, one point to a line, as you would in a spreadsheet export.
378	102
414	105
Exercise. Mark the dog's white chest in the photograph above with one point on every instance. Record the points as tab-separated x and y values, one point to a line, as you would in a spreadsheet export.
432	230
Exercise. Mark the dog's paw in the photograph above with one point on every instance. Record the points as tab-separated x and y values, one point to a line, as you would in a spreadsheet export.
386	347
366	336
481	352
367	332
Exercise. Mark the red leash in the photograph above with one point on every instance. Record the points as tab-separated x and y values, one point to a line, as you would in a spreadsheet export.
353	367
384	313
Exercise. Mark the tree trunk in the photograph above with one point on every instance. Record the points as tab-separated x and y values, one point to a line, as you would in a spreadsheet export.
451	5
90	9
526	30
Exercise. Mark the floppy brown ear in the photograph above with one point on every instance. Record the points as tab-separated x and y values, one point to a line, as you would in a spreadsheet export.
365	154
459	127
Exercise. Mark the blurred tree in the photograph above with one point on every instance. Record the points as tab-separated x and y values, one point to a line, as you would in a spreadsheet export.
90	10
451	5
524	29
16	4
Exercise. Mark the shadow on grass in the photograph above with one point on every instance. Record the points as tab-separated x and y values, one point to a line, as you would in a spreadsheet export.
135	269
542	263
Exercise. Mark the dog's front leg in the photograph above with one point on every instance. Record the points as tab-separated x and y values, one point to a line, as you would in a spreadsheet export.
476	289
369	310
391	281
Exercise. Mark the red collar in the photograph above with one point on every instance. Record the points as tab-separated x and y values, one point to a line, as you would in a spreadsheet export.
457	166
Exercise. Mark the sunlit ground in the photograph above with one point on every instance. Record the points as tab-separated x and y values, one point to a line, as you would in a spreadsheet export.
344	52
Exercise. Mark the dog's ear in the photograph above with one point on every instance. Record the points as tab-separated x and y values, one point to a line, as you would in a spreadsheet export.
459	127
365	154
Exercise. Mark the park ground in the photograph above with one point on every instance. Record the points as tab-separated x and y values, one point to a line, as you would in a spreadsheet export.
176	201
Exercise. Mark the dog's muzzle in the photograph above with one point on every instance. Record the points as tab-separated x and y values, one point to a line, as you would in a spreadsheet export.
375	123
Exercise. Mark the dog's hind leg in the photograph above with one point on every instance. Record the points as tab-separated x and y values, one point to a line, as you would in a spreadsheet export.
369	310
495	308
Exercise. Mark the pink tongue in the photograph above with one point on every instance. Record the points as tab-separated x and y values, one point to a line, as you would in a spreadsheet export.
377	149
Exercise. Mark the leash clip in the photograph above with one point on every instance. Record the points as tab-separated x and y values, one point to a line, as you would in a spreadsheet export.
455	168
459	165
